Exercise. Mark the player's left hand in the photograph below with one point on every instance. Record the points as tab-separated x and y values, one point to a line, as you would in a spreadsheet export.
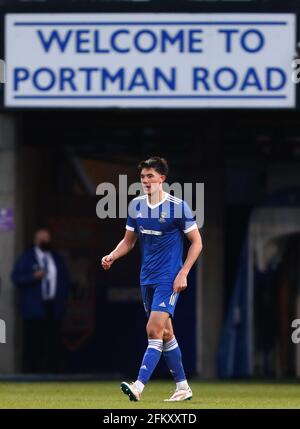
180	282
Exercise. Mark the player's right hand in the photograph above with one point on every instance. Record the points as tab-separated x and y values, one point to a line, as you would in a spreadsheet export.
107	261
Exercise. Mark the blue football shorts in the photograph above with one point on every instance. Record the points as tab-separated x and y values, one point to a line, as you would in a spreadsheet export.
159	297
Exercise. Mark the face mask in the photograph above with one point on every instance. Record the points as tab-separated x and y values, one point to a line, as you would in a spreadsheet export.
45	246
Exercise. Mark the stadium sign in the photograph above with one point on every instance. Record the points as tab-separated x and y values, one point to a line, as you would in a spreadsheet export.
150	60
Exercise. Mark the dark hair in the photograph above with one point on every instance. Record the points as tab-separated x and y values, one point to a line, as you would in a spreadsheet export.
159	164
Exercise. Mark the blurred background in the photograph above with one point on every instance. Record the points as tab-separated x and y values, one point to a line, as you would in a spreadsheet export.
234	320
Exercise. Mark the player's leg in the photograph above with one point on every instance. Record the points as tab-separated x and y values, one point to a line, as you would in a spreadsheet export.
154	349
166	299
155	329
173	358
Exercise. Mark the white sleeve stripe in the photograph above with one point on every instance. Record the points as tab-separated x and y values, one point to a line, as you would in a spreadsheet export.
175	198
130	228
194	226
173	201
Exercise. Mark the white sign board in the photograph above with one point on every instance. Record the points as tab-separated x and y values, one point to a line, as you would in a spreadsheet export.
150	60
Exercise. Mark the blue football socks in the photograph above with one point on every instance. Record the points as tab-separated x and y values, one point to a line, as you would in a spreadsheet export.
150	360
173	357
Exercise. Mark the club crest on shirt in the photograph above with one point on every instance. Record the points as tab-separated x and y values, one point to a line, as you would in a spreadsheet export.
162	217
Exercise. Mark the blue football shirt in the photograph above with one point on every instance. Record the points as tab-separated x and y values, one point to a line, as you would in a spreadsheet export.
161	229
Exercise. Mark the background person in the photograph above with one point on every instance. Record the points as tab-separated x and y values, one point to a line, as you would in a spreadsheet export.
42	279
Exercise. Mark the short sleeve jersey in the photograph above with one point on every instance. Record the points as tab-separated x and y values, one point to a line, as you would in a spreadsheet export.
161	229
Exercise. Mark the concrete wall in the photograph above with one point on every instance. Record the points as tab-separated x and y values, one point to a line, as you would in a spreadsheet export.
8	239
210	266
212	272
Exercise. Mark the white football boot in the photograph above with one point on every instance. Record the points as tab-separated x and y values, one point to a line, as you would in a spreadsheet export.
181	395
131	391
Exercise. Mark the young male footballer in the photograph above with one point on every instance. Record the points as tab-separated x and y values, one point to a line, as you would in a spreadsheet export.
160	221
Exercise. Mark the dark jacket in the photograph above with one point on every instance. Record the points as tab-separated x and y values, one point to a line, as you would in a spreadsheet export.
30	289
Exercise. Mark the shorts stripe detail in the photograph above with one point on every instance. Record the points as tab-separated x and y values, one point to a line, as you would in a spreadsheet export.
173	298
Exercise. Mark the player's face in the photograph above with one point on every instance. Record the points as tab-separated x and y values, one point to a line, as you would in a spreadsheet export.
151	180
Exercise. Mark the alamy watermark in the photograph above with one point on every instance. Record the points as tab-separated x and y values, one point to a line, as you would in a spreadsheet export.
296	72
2	71
2	332
191	193
2	322
2	327
296	332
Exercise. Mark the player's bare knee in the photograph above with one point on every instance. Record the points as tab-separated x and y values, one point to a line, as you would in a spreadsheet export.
154	331
168	335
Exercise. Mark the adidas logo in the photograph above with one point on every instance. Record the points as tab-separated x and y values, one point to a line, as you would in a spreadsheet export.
144	367
162	304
